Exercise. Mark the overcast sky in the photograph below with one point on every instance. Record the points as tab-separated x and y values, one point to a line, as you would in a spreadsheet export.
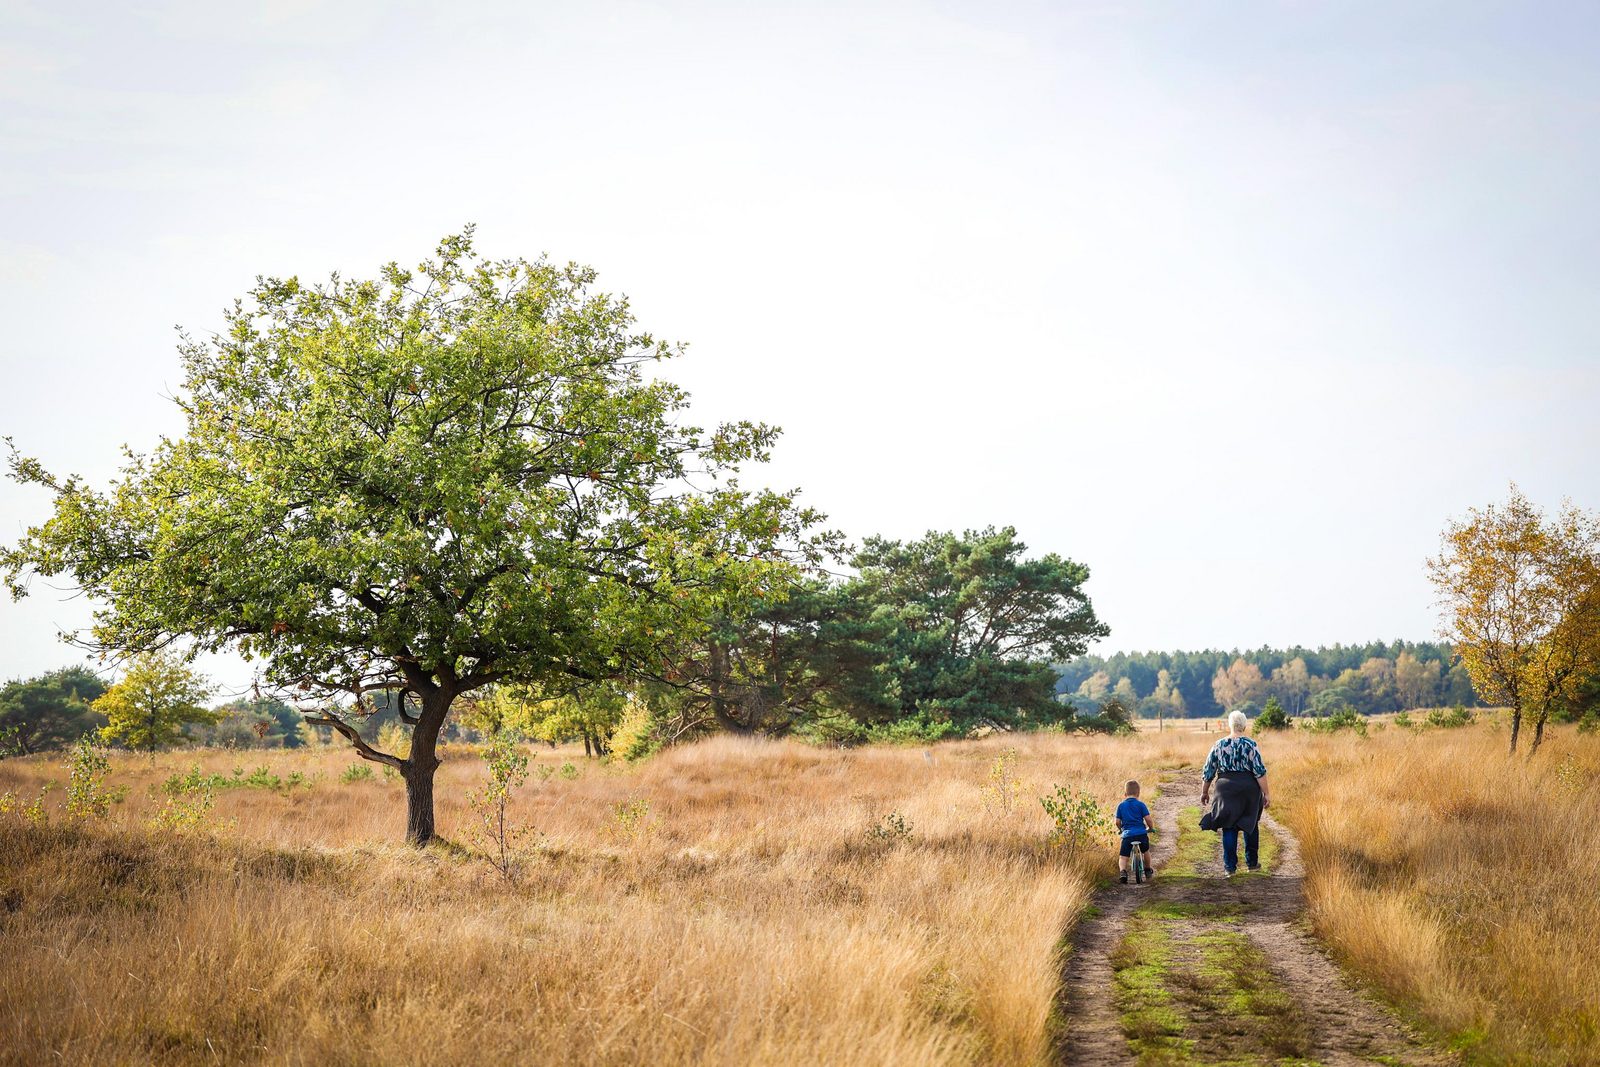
1236	303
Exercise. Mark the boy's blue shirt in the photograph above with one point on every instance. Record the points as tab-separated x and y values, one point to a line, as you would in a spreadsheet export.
1131	812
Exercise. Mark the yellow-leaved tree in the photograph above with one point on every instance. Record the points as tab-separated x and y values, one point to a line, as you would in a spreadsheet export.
156	698
1520	595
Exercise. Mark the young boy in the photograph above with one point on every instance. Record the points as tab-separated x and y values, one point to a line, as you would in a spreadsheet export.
1134	820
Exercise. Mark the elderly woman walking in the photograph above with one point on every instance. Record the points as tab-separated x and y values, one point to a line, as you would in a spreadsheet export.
1235	768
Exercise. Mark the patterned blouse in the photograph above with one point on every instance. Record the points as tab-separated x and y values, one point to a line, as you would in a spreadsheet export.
1234	754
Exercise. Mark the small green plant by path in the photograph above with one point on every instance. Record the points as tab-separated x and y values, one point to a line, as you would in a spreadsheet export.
1078	823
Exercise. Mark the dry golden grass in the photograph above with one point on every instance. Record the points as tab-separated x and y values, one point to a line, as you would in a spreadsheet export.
1460	880
750	922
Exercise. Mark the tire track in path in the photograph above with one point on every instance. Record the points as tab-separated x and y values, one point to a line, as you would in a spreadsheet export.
1344	1025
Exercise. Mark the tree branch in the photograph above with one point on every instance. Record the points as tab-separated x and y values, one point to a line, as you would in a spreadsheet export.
364	750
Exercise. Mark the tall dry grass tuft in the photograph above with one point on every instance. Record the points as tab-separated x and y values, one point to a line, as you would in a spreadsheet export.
1459	879
738	910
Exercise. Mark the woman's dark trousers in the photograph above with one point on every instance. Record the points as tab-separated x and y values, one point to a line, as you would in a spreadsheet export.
1230	848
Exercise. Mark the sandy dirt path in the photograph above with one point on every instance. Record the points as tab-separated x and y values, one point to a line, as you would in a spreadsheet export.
1345	1025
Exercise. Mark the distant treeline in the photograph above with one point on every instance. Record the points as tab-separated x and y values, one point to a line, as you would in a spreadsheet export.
1372	678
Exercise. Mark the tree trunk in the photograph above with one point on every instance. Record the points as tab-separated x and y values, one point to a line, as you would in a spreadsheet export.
419	803
1516	728
419	767
1538	735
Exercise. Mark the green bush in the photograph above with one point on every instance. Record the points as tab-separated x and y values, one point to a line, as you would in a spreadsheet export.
1456	716
1273	717
1077	822
356	772
1346	718
87	767
260	778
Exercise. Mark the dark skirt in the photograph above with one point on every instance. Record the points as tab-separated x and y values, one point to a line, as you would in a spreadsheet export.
1235	803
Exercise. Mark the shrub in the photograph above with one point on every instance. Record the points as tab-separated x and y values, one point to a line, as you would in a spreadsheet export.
356	772
892	829
87	768
631	820
501	842
635	737
1114	718
1455	717
1589	723
1346	718
1005	788
1405	721
34	812
260	778
1077	821
1272	717
188	805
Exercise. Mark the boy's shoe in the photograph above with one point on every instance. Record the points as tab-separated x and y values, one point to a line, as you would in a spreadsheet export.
1124	879
1254	867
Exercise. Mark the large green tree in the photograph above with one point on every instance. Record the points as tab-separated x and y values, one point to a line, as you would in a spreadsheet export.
976	623
422	484
49	711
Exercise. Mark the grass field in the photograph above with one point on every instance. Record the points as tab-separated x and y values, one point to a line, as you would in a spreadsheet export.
753	903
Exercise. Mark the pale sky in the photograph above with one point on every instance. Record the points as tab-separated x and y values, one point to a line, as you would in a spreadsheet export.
1236	303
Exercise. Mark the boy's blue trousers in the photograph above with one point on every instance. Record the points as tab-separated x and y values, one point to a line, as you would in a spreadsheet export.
1230	848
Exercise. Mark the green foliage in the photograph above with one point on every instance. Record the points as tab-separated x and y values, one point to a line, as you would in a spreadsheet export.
189	804
260	778
356	772
1346	718
637	734
157	696
431	481
974	624
1112	717
265	722
1077	823
631	821
34	811
1590	723
1412	674
1272	717
1455	717
918	728
48	711
501	841
87	767
892	829
1004	788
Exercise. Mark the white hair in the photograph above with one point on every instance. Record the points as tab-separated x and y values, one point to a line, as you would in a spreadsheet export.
1237	721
